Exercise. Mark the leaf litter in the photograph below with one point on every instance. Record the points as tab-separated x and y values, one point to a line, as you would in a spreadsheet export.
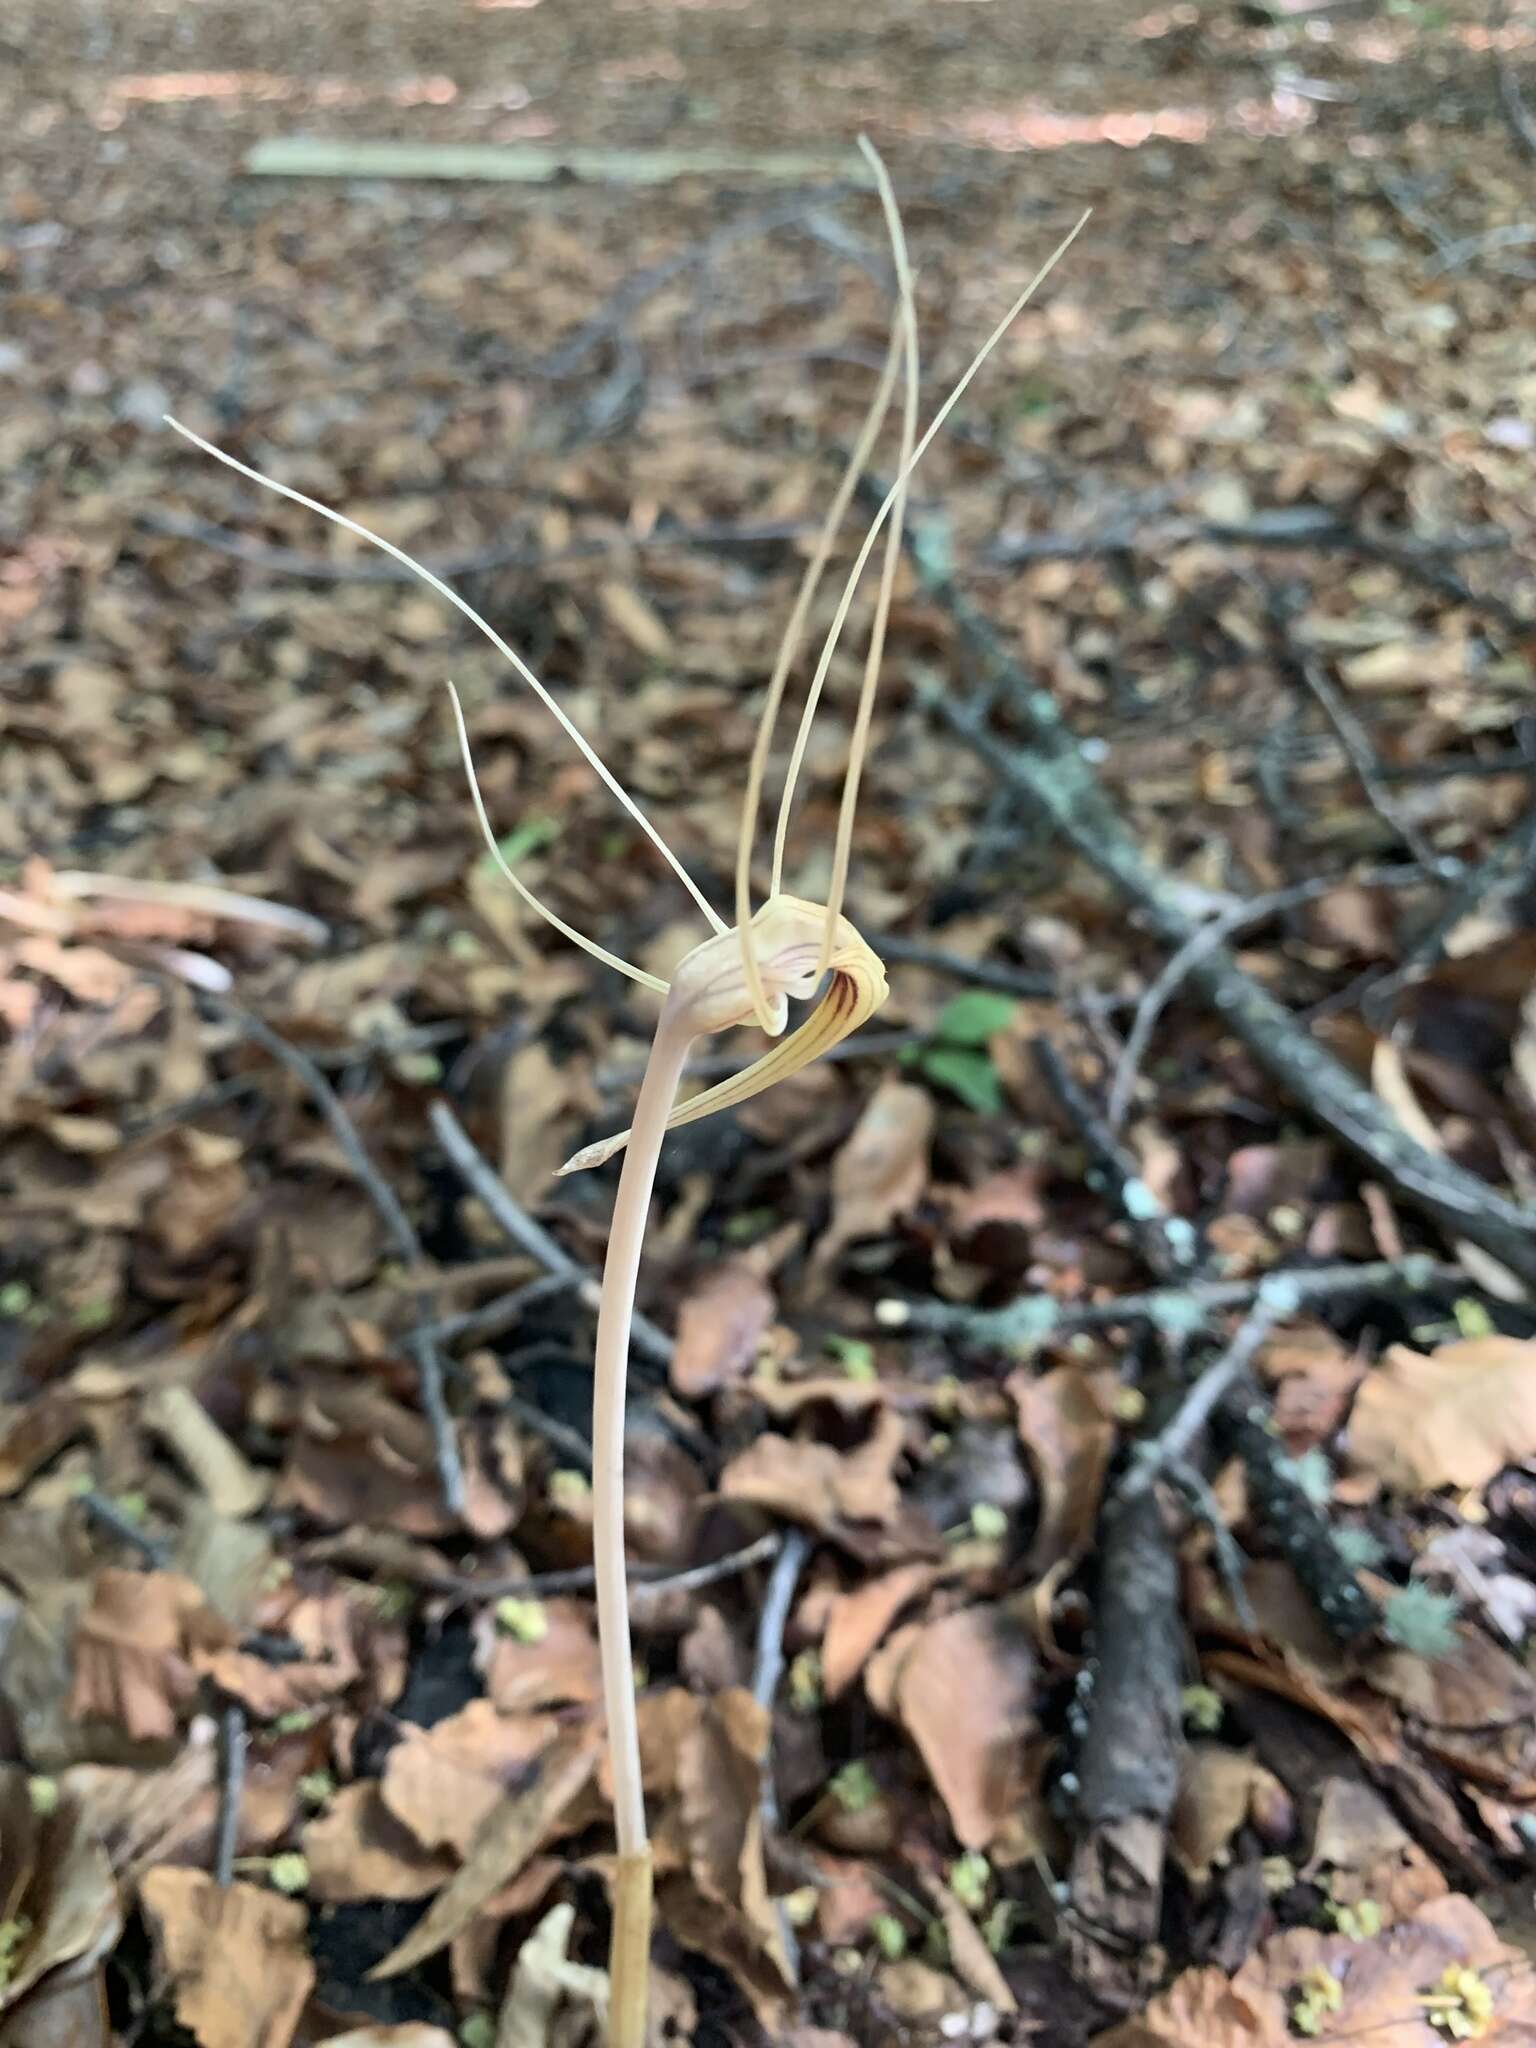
221	1487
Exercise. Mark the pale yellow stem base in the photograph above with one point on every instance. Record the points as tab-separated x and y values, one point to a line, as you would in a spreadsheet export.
629	1957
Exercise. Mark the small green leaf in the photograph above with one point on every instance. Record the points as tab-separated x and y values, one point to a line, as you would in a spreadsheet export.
890	1936
974	1017
854	1787
1472	1319
524	1620
525	839
288	1873
988	1522
316	1787
856	1356
969	1877
970	1075
478	2031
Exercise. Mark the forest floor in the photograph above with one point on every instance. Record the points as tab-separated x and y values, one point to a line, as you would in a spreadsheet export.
1083	1460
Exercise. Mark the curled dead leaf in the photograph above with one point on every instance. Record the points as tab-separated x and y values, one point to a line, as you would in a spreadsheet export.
850	1497
134	1648
1066	1424
1454	1417
235	1955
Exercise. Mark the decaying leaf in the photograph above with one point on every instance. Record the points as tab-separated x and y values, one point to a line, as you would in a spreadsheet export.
1395	1990
559	1667
58	1897
357	1849
1066	1424
513	1831
850	1497
1454	1417
858	1619
720	1325
442	1782
881	1172
134	1648
963	1687
1220	1791
235	1955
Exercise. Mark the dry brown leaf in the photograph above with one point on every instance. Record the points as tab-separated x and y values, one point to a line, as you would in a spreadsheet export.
973	1962
881	1173
235	1956
719	1784
58	1891
635	620
857	1621
964	1692
358	1850
560	1669
134	1648
720	1325
510	1836
1360	1851
1377	1989
442	1782
1220	1791
1455	1417
849	1497
543	1980
1066	1424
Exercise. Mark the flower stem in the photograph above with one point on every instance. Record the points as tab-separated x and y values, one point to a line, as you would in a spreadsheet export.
630	1952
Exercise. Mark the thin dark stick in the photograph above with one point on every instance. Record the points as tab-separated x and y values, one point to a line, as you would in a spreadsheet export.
511	1218
995	974
306	568
1039	1318
491	1318
1305	664
1206	939
423	1349
644	1582
232	1750
1168	1242
767	1670
768	1662
110	1516
1171	1446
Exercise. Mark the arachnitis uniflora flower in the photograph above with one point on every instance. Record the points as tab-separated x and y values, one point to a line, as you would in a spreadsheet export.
779	953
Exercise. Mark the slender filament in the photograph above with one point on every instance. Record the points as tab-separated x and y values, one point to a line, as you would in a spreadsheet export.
810	582
907	307
566	931
845	602
460	604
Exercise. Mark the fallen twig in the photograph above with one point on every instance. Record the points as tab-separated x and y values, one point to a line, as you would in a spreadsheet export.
407	1246
1172	1444
1039	1318
1303	662
486	1184
1293	1520
1128	1765
645	1582
233	1743
110	1516
1205	938
520	554
1168	1242
767	1670
1053	776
